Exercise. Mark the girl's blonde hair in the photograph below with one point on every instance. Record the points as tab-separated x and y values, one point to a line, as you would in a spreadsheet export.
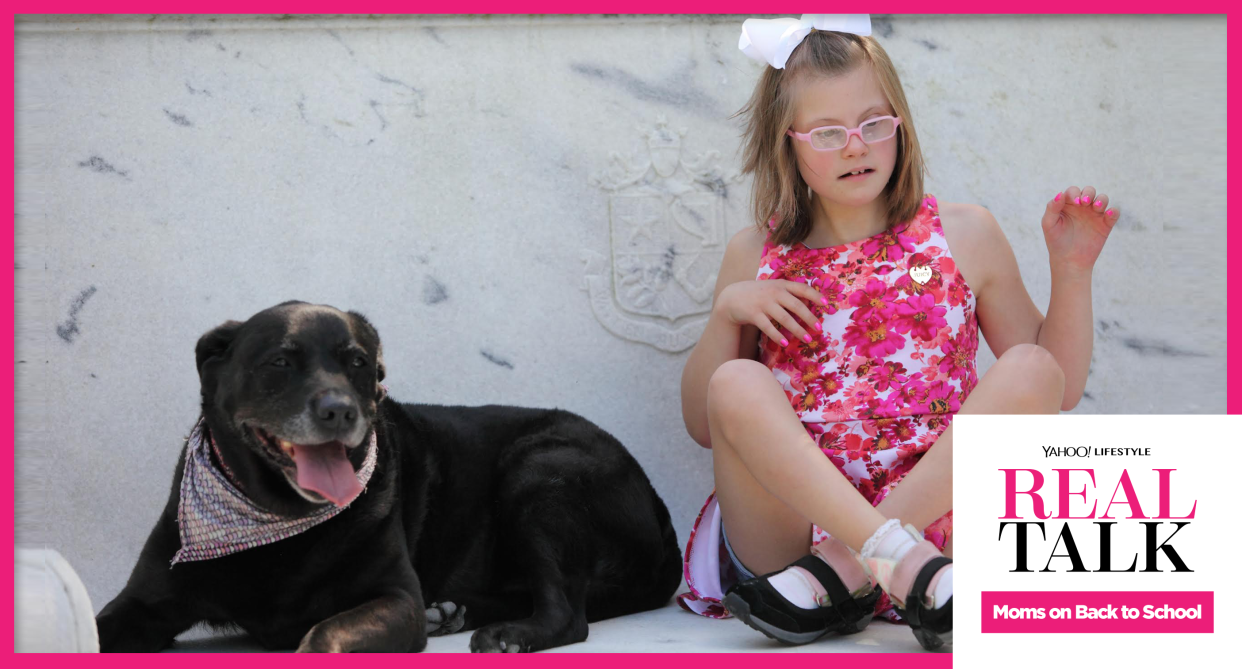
779	192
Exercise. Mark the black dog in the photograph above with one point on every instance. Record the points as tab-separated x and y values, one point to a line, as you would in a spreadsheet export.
524	524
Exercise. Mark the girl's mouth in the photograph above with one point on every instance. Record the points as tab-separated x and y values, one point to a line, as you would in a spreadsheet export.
857	177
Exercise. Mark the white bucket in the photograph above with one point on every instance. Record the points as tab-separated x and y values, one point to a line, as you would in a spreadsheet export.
53	611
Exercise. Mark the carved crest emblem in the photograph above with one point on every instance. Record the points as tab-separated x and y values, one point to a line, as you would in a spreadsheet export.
666	220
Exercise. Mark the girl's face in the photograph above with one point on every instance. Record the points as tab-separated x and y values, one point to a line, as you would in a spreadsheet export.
847	100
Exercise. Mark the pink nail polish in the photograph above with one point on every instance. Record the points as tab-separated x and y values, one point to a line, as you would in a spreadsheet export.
819	327
807	339
1077	200
1057	198
824	300
784	342
1109	212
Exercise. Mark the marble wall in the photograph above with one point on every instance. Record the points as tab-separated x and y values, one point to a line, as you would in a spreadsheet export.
473	185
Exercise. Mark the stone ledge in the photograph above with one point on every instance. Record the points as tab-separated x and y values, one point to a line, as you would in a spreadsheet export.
666	630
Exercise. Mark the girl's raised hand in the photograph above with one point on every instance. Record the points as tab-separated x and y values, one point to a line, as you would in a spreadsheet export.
764	304
1076	224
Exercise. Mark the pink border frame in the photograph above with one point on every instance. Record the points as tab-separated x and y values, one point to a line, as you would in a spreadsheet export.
7	363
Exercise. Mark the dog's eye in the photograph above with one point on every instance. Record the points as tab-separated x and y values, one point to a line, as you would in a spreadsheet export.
280	362
360	362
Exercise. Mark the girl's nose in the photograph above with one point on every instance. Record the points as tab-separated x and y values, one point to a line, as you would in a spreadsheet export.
854	146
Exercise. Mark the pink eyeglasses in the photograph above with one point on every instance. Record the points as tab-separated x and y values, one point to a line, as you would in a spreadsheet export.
834	137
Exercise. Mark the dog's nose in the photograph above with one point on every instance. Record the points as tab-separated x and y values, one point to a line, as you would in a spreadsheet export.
334	410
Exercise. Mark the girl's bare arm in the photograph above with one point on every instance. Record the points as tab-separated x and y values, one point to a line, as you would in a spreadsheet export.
1008	316
722	340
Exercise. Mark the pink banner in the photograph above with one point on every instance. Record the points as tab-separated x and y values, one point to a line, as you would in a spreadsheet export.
1095	611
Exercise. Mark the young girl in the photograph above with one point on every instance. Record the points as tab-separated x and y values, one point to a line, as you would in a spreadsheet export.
842	342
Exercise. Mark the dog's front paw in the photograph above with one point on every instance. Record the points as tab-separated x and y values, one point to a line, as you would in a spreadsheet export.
124	627
502	638
319	640
110	631
445	618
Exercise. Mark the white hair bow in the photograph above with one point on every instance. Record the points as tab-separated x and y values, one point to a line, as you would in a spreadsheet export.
772	40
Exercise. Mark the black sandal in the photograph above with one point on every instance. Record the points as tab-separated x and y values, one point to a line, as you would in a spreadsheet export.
759	605
931	626
914	575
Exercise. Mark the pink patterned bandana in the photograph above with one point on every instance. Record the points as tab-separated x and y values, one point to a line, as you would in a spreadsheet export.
217	519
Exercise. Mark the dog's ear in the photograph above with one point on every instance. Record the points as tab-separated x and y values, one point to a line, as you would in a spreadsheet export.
371	333
215	343
381	390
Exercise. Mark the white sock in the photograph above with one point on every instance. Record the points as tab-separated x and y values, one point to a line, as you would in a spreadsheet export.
893	542
792	584
944	589
802	589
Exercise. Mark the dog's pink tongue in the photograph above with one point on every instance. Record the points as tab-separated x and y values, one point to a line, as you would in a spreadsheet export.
325	469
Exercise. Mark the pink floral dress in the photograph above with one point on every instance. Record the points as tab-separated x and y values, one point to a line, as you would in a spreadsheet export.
875	388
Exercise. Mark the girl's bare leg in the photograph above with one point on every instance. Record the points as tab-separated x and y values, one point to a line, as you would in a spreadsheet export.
1026	379
772	480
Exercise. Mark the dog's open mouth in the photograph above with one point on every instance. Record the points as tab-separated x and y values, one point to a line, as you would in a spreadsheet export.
320	472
